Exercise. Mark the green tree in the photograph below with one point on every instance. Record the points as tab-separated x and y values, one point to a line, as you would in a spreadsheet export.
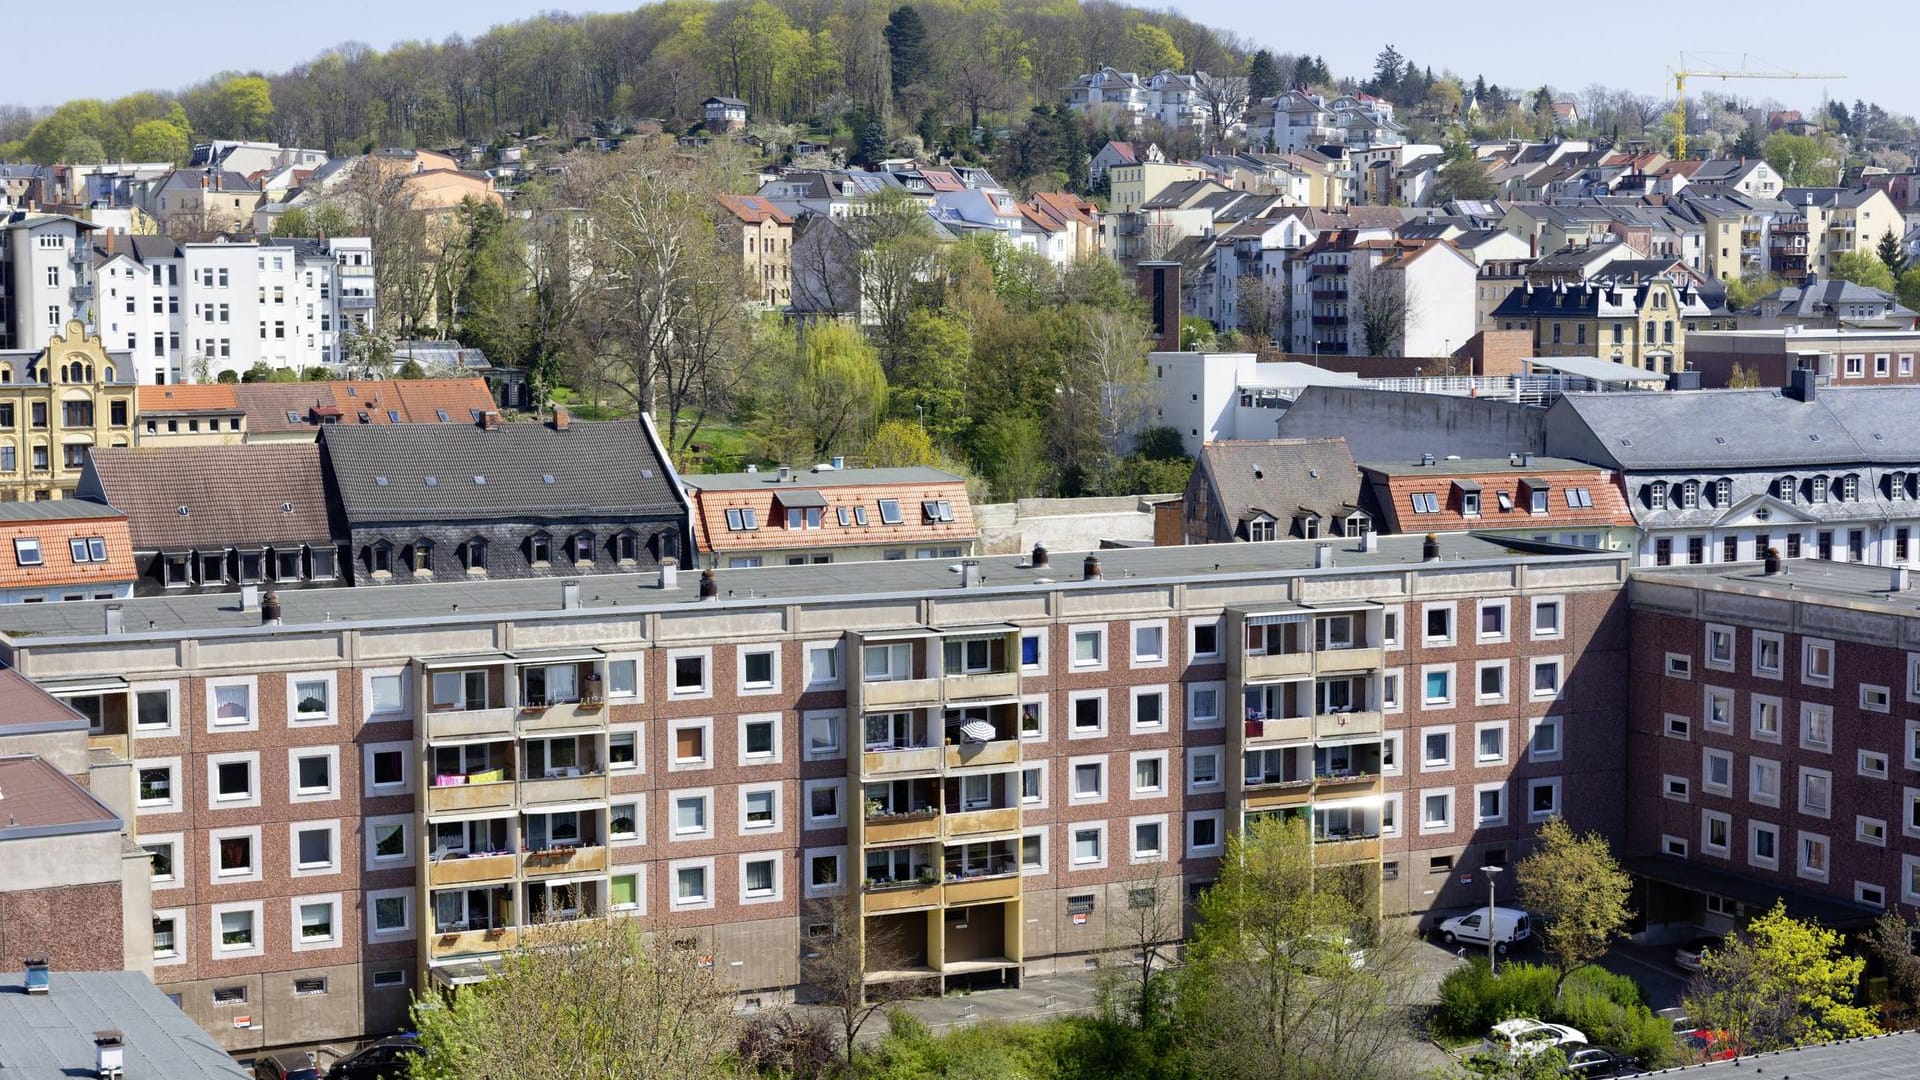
1389	67
1263	77
320	219
243	105
1891	943
1892	254
157	140
411	369
489	293
1154	50
1801	160
929	381
1781	982
907	50
1863	268
1745	292
1577	886
898	444
1464	177
1909	288
1312	71
599	1001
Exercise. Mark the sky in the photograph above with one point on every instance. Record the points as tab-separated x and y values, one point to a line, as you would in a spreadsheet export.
131	46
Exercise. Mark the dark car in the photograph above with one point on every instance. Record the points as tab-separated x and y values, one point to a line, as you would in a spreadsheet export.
1590	1062
293	1066
384	1060
1687	956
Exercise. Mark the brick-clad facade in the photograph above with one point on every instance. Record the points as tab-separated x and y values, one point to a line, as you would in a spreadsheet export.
1773	740
76	927
1039	748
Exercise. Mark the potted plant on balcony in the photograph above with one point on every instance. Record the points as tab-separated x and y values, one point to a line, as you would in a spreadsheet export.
927	876
534	705
590	695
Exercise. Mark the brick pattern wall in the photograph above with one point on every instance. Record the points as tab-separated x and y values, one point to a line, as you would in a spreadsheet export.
76	927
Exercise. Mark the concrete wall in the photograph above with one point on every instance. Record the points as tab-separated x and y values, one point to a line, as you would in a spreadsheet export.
1381	425
1064	524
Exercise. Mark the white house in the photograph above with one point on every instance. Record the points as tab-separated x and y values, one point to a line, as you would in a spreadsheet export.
1208	397
44	278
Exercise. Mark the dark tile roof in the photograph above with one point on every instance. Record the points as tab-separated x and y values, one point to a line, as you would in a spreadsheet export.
1281	477
515	472
233	495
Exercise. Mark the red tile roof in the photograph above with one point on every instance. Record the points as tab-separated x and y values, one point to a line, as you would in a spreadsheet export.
38	796
753	209
57	567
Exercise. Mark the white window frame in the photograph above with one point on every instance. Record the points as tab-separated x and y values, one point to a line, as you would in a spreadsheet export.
1039	632
1073	699
1134	694
394	862
1480	696
1428	704
295	868
332	682
1506	748
1862	889
1428	828
1559	798
336	936
211	688
1676	788
1452	750
706	830
1756	707
252	833
639	662
638	733
1506	622
1196	722
404	932
1806	776
779	893
1559	739
706	901
178	878
1864	764
1453	623
1036	832
1099	663
1808	711
638	836
814	680
1708	755
1194	753
1194	656
1534	664
1910	879
704	762
1219	845
1808	647
177	777
773	757
1675	726
405	712
295	793
1039	701
1039	766
1875	698
838	818
1732	639
1159	821
1397	640
1754	829
1134	659
1074	829
776	789
1559	630
740	654
1707	846
1391	814
371	790
1679	665
1759	771
1707	696
1780	650
222	951
1869	830
705	689
812	855
1673	845
171	688
1134	790
1074	797
1393	753
178	917
1393	690
233	802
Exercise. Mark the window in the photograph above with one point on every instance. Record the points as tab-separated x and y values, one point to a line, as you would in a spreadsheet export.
1439	624
1089	846
231	776
1546	678
1679	665
310	697
1437	681
1766	718
312	773
1492	682
1763	845
1089	714
235	853
823	803
314	922
26	550
1436	810
1871	831
1816	727
760	739
1033	785
1874	698
1716	771
1490	804
1546	618
1763	781
1149	773
1719	709
624	823
162	854
1490	743
1716	832
1493	620
1203	639
759	878
1871	763
823	870
230	703
1676	788
759	670
1149	839
1149	709
387	841
153	709
890	511
691	884
1436	748
1204	832
1089	779
235	933
759	809
1816	661
1543	798
691	819
1816	792
1678	727
690	673
169	945
1543	741
1149	644
1203	768
1089	648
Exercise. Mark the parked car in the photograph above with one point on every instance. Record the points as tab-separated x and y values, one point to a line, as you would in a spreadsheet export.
291	1066
1524	1038
1324	949
1687	957
1706	1044
1589	1062
385	1060
1510	927
1678	1020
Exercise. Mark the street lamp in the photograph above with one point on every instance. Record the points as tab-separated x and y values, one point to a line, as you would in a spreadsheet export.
1493	874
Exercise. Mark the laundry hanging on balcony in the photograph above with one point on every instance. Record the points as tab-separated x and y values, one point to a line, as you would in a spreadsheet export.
976	731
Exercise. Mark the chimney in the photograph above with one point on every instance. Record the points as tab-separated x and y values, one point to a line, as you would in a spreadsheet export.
669	573
1802	385
1322	556
785	474
1770	564
1090	568
561	418
1039	560
1900	578
970	573
490	420
109	1055
270	609
569	595
113	618
249	597
1159	286
1526	459
709	587
39	974
1370	541
1430	550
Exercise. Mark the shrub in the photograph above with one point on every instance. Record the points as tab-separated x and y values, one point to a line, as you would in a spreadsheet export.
1607	1008
1472	999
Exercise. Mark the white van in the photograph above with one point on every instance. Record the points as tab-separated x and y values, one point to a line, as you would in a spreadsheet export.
1510	927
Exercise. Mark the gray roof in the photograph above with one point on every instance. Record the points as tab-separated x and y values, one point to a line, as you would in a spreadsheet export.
69	509
518	472
462	602
754	481
1475	466
1883	1057
50	1036
1820	298
1280	477
1747	429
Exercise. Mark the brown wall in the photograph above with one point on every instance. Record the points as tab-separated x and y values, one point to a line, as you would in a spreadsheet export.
77	927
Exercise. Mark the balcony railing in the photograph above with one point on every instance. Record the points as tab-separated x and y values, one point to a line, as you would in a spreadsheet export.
1352	847
1348	783
967	755
975	822
1349	659
470	942
466	723
899	693
584	787
584	859
897	760
889	828
994	684
1278	729
1333	725
1000	883
902	895
1276	665
470	869
468	795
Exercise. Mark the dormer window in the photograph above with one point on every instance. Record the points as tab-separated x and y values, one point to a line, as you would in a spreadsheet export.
540	549
1358	523
422	556
1260	528
626	546
1786	489
473	555
1849	488
380	557
1309	526
1657	495
803	517
580	547
1723	492
1817	489
1690	495
1896	485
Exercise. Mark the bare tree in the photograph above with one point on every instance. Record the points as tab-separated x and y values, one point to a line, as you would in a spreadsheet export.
837	959
1380	298
1259	309
1114	361
1225	97
1141	942
1157	238
897	255
984	86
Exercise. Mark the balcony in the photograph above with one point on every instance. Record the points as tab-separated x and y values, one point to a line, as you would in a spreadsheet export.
902	761
900	828
565	860
470	942
970	823
975	890
971	755
1259	666
537	717
1328	850
82	294
1279	729
356	303
1329	294
467	871
467	723
997	684
1336	725
899	693
1351	784
900	897
560	789
452	798
1329	661
1329	320
1279	795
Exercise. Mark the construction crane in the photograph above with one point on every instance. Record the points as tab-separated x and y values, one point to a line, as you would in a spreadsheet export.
1750	68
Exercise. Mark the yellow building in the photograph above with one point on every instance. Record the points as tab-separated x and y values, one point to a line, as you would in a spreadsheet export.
1636	320
54	406
1133	185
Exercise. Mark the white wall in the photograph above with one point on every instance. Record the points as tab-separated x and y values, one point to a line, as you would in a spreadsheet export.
1196	394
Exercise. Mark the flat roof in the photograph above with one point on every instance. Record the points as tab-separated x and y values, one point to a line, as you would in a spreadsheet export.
56	510
1479	466
166	617
1787	334
1800	580
50	1036
769	479
1876	1057
1592	367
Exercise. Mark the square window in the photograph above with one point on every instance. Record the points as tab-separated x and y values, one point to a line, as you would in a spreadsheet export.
1543	798
690	674
1544	740
823	803
313	774
233	779
230	704
1203	640
1436	748
235	930
1490	743
759	740
313	848
1493	620
1089	779
1436	811
1089	714
387	841
1546	678
691	739
759	670
690	817
1439	624
759	878
1149	644
1149	709
1719	709
690	884
1149	839
1203	768
623	822
153	709
623	678
1090	649
1203	705
759	809
1149	773
311	698
1490	805
1492	678
1678	727
823	735
392	913
1089	846
1547	613
1438	684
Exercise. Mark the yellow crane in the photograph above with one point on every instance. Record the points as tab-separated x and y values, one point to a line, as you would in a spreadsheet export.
1750	67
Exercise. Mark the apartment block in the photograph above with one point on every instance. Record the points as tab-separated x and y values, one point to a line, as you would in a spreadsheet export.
57	403
44	279
352	795
1770	753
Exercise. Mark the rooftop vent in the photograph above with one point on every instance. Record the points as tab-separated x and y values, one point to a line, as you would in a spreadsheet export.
569	595
109	1055
669	573
709	588
1430	550
1090	568
270	609
1426	459
1039	560
39	974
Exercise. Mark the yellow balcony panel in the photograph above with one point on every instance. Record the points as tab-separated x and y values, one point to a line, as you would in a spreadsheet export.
899	693
903	828
1280	730
975	822
999	684
1359	849
1328	661
557	789
1342	725
470	870
1280	796
447	800
580	860
472	942
925	760
466	723
1257	667
1346	786
900	897
980	890
117	745
973	755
